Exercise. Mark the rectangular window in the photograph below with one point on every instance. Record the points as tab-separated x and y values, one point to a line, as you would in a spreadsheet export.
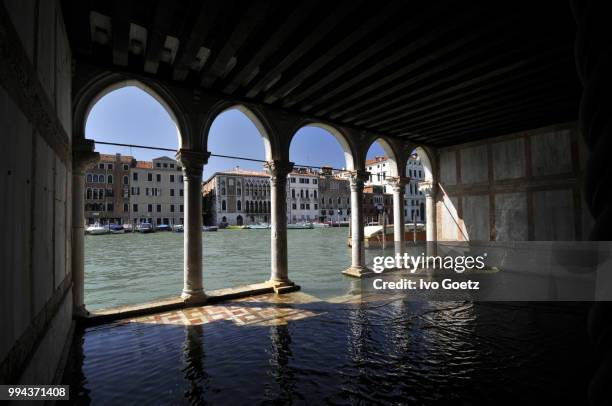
172	166
159	208
171	192
182	208
172	208
158	177
180	178
135	176
157	165
135	208
125	207
180	192
294	206
150	177
146	191
307	180
171	178
126	167
314	181
110	166
150	208
307	206
301	206
109	207
292	180
101	166
165	165
316	206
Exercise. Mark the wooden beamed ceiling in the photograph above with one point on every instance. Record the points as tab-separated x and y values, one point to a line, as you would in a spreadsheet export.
439	72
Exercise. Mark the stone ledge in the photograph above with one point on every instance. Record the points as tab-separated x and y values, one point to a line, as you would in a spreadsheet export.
173	303
359	272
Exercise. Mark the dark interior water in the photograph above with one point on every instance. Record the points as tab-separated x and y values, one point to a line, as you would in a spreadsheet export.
379	352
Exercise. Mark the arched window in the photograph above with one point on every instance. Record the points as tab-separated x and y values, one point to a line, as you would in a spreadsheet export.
252	207
95	178
239	205
125	180
246	206
260	207
101	193
223	205
88	196
89	178
95	194
109	179
101	178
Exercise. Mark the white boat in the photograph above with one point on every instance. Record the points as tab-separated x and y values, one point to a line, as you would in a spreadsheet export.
210	228
97	229
260	226
320	225
300	226
178	228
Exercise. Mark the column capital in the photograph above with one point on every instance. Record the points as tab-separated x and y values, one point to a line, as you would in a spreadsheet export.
192	161
428	188
278	168
358	177
398	183
83	154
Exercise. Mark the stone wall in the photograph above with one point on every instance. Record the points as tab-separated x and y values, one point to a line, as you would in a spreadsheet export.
35	179
519	187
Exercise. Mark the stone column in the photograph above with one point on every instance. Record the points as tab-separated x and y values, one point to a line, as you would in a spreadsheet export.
279	275
83	156
429	190
358	268
398	184
192	163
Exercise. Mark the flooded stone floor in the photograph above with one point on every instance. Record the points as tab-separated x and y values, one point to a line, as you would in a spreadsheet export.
297	348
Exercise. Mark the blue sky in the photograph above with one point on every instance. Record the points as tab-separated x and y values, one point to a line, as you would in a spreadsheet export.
131	116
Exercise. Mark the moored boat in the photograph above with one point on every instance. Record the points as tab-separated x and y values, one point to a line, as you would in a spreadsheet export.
210	228
232	227
259	226
96	229
320	225
300	226
145	228
178	228
163	227
116	229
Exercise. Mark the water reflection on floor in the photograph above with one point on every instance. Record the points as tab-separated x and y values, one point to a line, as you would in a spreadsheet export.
299	349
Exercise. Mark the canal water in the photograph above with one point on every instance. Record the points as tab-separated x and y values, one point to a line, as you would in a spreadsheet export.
382	350
133	268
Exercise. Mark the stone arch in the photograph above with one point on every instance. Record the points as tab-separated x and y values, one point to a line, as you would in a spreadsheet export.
257	118
397	164
348	144
104	84
427	162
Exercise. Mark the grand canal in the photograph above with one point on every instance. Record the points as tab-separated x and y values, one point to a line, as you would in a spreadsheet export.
320	345
134	268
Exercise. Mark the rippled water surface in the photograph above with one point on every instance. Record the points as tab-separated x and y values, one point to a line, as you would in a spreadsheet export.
135	268
377	352
380	350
